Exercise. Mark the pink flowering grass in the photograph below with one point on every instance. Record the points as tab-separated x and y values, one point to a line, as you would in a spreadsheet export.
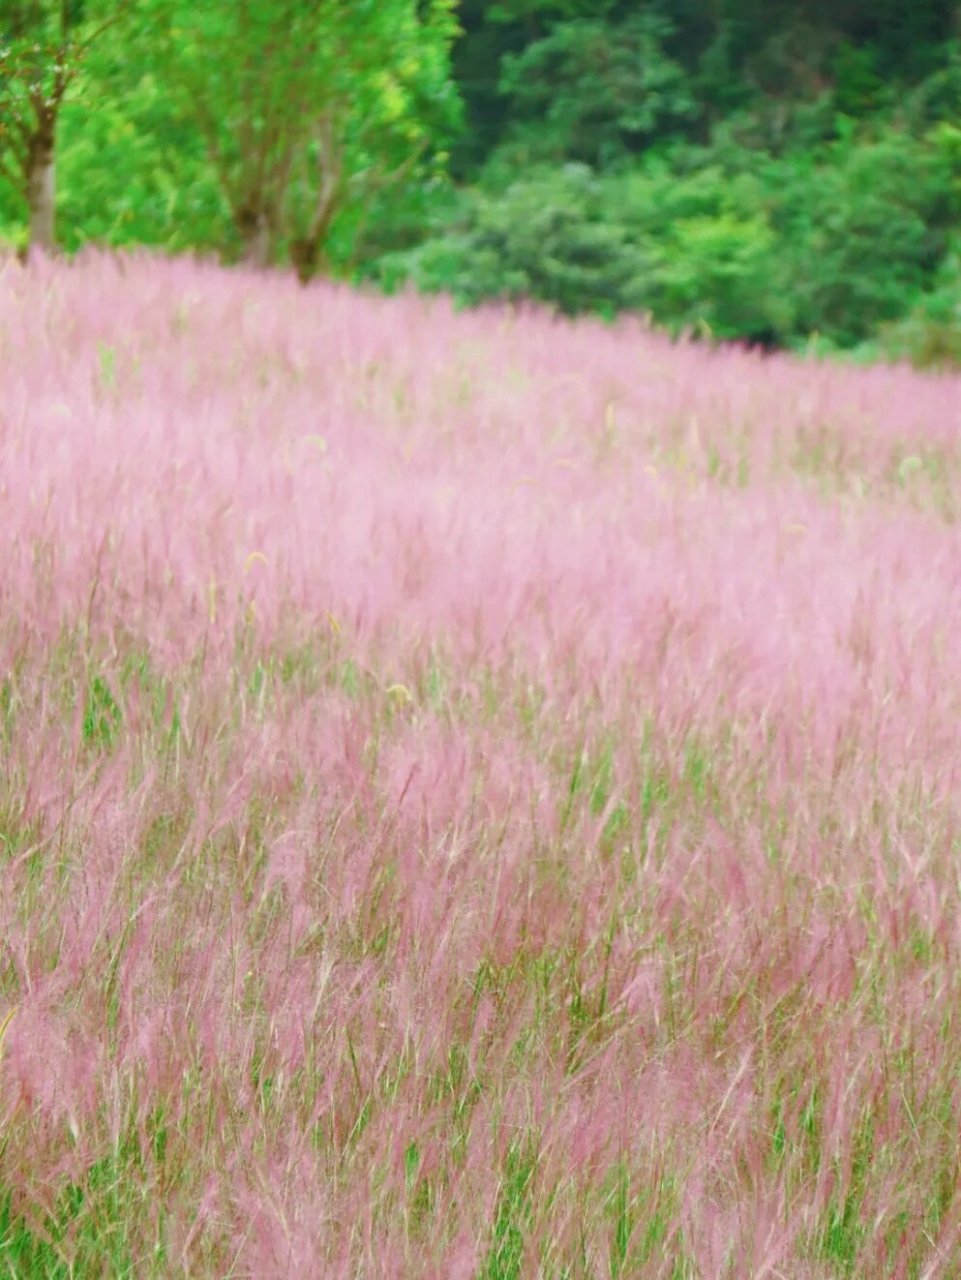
479	795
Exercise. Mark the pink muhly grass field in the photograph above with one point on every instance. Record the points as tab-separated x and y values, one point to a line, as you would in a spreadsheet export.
479	795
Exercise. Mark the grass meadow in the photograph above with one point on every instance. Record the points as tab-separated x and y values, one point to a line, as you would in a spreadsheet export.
480	796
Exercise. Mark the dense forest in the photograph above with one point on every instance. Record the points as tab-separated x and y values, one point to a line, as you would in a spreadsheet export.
781	172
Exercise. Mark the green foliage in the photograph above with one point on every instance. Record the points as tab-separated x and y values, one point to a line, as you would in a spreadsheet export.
505	1258
930	335
86	1226
690	252
840	237
761	170
937	98
715	260
208	126
23	1254
133	171
858	88
595	91
867	234
43	47
547	238
101	715
306	110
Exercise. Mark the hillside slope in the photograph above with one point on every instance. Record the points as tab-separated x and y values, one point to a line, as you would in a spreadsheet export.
479	794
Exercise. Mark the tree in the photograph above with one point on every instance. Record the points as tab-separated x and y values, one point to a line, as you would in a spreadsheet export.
42	47
594	91
307	107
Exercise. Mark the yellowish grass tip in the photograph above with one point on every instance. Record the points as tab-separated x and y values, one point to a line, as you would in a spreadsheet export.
4	1025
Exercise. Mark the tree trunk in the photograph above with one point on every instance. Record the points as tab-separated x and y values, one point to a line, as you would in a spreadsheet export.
307	257
309	253
42	196
254	227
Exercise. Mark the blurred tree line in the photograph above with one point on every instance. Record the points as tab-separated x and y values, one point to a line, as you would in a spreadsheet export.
271	131
783	172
